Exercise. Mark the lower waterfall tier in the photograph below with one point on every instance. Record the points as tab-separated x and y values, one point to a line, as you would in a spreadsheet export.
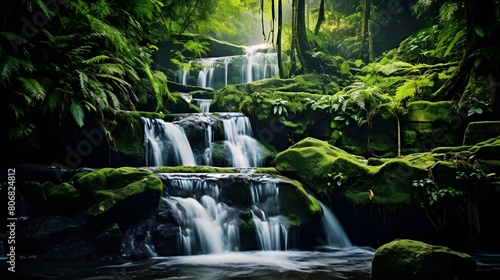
216	213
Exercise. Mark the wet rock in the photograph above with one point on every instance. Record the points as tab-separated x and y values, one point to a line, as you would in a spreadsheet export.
415	260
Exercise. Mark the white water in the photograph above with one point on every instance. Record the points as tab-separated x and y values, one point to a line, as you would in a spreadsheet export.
209	226
257	63
166	144
335	235
245	150
203	104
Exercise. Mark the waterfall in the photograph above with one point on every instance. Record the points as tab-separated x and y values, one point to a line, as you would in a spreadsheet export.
335	235
208	225
258	62
203	104
166	144
245	150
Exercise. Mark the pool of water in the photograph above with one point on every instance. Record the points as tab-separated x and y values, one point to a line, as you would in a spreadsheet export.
325	263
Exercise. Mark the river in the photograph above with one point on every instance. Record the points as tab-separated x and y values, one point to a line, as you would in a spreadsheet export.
324	263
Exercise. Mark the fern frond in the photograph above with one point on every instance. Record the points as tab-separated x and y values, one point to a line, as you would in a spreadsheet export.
21	131
119	80
111	69
77	112
96	59
33	87
54	100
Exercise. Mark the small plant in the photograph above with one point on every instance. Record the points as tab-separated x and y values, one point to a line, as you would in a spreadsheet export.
279	106
336	179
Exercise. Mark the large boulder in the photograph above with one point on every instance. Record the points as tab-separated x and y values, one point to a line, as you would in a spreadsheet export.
415	260
119	195
325	168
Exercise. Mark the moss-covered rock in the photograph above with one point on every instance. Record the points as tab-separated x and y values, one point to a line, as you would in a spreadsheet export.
481	131
415	260
426	111
110	238
126	131
314	162
194	169
109	187
296	204
64	199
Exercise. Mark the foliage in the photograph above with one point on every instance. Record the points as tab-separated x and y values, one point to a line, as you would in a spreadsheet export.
279	106
337	179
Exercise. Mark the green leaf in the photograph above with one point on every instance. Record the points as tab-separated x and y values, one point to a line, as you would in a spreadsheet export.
77	112
479	31
54	99
358	62
33	87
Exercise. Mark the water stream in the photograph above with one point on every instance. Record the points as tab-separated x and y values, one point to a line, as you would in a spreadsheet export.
258	62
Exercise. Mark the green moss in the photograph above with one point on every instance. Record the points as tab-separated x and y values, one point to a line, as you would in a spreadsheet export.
110	186
415	260
296	204
63	199
174	103
423	160
480	131
375	161
194	169
311	161
426	111
127	136
247	224
227	99
236	192
267	170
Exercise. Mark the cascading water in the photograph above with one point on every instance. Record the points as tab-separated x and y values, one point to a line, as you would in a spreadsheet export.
203	104
209	219
259	62
166	144
335	235
224	212
208	225
245	150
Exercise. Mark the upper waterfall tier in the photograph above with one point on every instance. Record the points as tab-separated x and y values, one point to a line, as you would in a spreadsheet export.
258	63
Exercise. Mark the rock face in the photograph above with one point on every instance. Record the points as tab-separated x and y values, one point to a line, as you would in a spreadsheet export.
89	212
481	131
415	260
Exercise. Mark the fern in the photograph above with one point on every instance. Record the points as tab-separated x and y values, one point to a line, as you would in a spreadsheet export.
33	87
96	59
54	100
21	131
77	112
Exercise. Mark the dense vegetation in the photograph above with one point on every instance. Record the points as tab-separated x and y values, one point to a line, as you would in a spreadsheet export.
67	63
354	75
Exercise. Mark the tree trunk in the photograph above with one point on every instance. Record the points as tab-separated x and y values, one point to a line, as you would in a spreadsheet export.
399	135
278	40
304	50
365	30
293	45
321	17
480	18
